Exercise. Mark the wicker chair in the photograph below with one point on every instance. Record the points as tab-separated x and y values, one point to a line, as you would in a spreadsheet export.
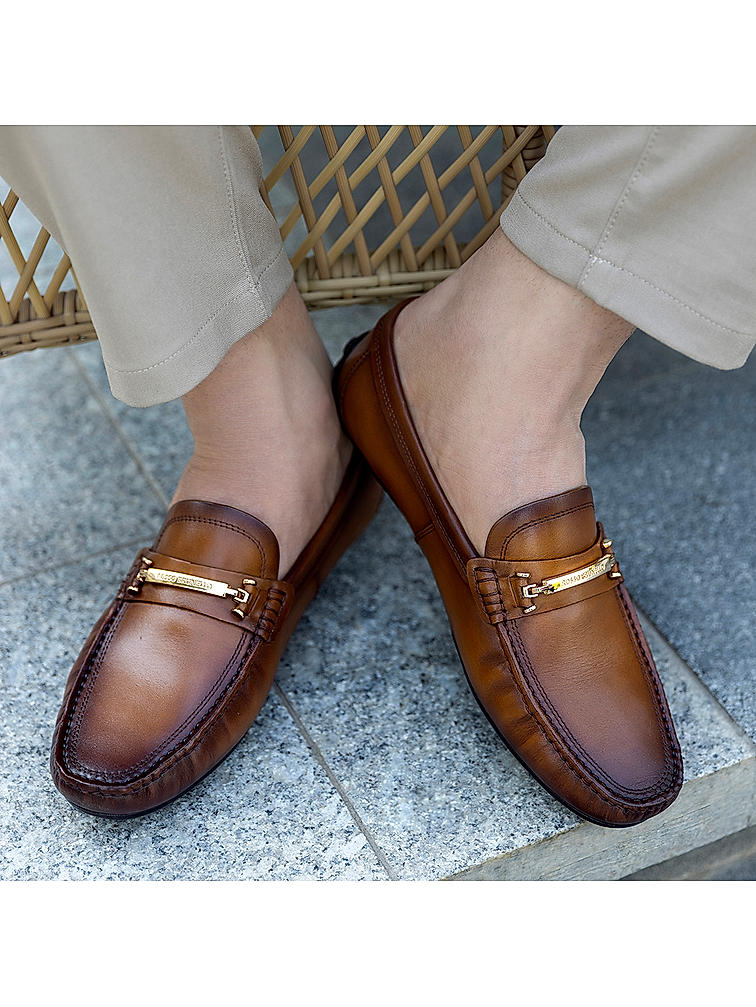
366	213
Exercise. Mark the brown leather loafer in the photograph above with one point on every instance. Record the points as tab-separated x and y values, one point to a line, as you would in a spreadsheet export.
179	665
544	626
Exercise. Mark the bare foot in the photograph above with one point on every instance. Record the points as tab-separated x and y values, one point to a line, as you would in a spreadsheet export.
498	363
266	435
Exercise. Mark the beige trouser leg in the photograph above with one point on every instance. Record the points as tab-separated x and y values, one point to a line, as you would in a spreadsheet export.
176	253
178	257
656	223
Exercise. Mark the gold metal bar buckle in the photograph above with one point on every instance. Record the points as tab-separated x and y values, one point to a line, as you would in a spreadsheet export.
149	574
552	585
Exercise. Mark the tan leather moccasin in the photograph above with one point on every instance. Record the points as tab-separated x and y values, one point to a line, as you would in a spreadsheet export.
179	665
544	626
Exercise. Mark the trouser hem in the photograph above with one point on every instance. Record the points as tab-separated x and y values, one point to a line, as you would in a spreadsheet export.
186	367
658	312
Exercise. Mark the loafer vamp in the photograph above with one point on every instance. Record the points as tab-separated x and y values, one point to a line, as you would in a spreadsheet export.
154	677
595	693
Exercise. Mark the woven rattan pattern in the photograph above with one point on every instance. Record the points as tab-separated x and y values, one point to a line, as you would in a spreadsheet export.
366	213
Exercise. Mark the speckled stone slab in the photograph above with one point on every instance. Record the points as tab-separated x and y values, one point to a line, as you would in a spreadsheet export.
672	461
269	812
69	486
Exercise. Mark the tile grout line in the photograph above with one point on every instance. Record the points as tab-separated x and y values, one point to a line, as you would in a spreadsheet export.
320	759
73	561
125	439
715	699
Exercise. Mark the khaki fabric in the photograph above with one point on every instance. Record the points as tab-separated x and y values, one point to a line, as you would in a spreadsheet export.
656	223
178	256
176	253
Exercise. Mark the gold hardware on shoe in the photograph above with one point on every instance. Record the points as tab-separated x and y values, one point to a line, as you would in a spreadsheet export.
136	587
149	574
552	585
526	576
243	601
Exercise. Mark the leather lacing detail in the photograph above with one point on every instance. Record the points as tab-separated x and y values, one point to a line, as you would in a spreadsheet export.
489	593
270	613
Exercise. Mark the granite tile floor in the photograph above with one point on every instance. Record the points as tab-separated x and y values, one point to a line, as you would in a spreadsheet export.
371	759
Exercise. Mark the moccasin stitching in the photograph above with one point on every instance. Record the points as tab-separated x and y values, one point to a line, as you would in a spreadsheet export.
196	739
159	753
537	521
216	523
586	761
92	666
652	678
630	811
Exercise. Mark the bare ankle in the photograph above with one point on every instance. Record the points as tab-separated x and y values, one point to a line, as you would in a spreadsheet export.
267	437
498	363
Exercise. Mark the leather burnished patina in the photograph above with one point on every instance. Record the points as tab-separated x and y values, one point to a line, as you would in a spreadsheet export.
179	665
546	631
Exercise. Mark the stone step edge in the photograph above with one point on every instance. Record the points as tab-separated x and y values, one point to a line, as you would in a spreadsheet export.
708	808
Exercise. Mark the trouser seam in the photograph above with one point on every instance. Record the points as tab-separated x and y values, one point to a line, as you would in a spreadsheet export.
609	227
254	280
547	222
232	212
677	300
636	276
